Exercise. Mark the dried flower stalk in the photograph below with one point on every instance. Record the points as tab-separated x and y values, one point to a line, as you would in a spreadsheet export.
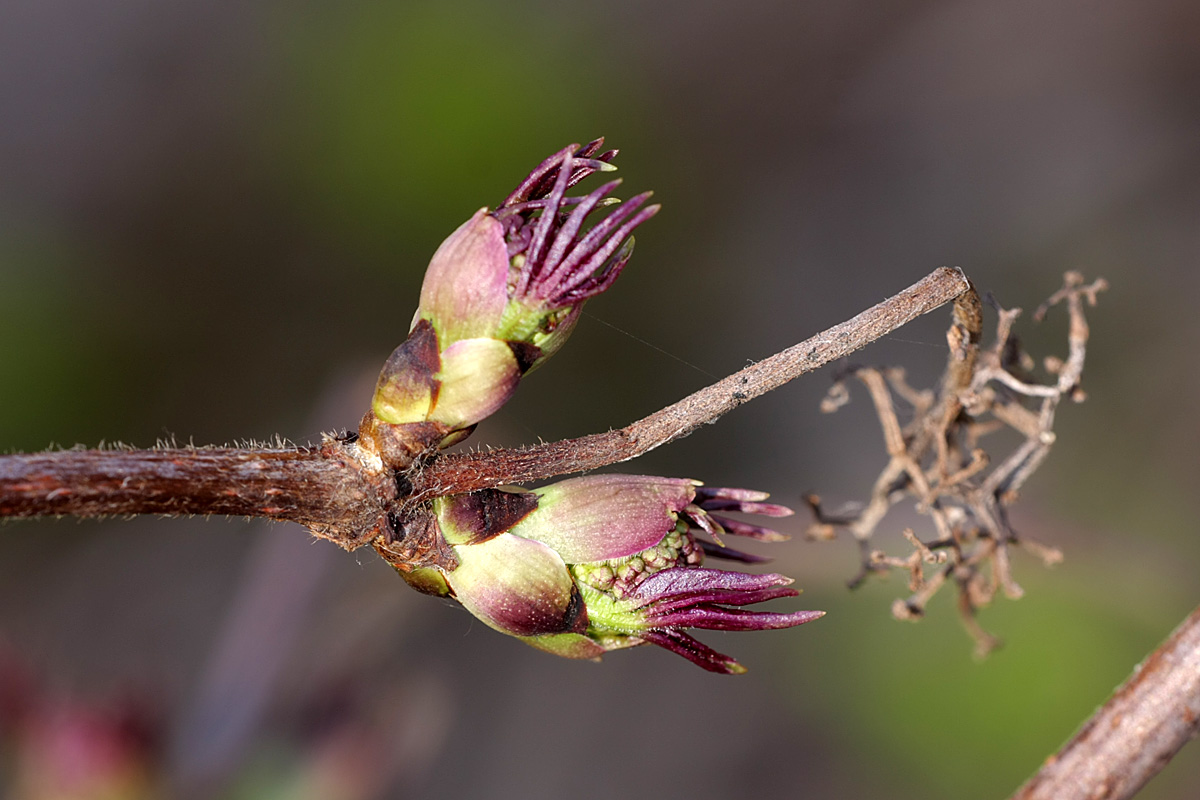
937	458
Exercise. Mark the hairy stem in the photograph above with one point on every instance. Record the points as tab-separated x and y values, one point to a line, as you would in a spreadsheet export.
1137	732
320	488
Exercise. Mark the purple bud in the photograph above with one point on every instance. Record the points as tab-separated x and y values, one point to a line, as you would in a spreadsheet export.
465	290
517	586
600	517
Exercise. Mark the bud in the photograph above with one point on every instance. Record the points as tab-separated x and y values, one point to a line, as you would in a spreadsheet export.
502	294
606	562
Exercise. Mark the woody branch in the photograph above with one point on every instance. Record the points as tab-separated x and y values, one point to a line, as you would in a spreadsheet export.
339	495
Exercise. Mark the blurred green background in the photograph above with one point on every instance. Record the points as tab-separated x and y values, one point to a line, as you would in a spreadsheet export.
214	218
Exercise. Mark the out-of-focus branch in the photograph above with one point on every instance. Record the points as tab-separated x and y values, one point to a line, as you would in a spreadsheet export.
344	495
1137	732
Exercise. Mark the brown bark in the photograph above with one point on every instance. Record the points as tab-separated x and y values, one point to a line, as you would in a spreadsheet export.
324	488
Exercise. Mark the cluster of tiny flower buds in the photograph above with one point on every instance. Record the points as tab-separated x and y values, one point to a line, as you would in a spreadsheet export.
605	562
585	565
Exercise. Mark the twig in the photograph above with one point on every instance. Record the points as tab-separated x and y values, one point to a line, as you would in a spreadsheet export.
461	473
1135	734
343	495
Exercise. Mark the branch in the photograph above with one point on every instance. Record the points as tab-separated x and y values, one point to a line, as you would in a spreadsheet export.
342	494
1136	733
320	488
453	474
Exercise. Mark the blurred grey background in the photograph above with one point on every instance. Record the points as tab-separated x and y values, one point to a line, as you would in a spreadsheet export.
214	218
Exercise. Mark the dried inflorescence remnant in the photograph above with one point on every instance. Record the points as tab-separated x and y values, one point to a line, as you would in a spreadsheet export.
938	457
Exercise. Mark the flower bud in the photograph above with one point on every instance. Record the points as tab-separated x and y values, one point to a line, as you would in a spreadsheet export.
606	562
502	294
